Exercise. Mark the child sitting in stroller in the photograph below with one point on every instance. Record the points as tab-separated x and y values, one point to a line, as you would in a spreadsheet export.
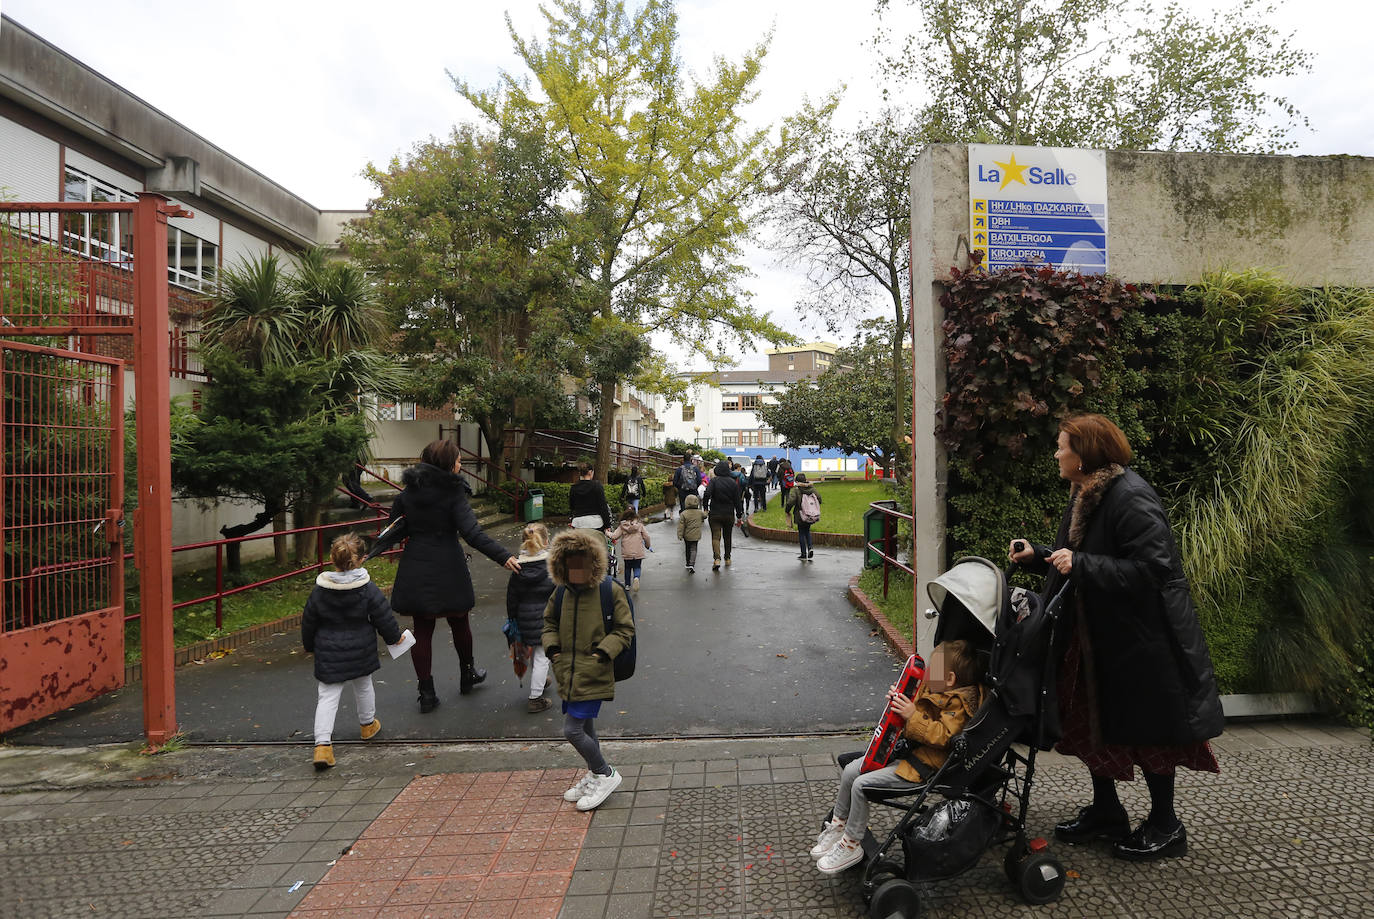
951	693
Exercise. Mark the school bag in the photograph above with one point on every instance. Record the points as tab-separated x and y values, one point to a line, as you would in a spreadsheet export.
623	665
789	478
632	488
759	472
810	508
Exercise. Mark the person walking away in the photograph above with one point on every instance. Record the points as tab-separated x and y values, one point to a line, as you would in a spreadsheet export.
742	480
951	693
587	502
773	471
803	504
634	540
689	524
632	491
670	493
685	480
787	480
724	505
582	651
342	619
527	594
432	578
758	482
1135	683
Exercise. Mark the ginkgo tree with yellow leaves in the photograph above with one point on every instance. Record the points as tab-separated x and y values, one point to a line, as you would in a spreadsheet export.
664	178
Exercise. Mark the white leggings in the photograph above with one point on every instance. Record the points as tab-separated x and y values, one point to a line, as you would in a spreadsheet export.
539	672
327	706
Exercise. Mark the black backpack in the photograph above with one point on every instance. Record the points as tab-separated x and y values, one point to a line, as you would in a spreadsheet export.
623	665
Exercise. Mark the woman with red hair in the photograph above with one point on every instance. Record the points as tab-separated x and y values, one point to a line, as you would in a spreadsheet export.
1135	682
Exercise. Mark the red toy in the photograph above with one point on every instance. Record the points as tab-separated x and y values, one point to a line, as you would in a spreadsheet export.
891	725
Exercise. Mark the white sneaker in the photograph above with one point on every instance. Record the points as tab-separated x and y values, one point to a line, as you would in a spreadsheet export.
829	836
581	788
846	854
600	789
636	584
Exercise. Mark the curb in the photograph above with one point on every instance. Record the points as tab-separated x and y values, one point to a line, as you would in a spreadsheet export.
898	642
202	649
818	537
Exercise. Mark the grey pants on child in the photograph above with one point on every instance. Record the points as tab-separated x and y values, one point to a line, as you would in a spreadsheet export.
850	804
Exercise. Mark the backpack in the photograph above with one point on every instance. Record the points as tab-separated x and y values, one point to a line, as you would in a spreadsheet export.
680	480
623	666
632	488
810	508
789	478
760	471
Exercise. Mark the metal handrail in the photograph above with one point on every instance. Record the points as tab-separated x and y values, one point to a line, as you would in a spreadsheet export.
888	553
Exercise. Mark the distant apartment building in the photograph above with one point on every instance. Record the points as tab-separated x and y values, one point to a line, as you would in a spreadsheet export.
721	409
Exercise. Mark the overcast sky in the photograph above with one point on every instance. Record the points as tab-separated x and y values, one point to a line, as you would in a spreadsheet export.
309	91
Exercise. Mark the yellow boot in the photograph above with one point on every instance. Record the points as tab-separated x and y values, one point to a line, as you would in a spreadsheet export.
324	755
369	730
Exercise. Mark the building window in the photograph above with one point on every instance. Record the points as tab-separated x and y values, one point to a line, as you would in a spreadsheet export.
751	403
390	410
191	261
689	413
105	237
729	404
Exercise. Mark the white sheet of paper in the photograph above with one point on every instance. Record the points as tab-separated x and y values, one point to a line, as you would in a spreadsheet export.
401	647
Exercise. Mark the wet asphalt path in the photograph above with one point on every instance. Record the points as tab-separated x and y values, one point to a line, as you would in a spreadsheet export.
769	646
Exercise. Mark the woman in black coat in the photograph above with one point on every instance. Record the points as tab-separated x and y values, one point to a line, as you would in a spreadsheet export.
1135	682
432	580
587	499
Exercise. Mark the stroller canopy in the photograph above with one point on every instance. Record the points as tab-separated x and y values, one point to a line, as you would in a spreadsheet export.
977	591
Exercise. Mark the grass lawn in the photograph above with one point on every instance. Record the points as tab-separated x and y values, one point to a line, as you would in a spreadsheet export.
842	506
193	624
897	606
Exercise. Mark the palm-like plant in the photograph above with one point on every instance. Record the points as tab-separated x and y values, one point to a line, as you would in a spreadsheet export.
256	315
339	304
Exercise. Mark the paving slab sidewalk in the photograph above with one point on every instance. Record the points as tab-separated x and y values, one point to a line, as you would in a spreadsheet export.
715	828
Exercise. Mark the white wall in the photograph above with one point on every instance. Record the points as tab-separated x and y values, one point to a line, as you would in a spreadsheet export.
31	172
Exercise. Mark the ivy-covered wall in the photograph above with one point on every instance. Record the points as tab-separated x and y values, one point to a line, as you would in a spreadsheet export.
1249	403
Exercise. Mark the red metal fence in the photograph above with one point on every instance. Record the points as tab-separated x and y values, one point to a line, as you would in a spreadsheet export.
62	492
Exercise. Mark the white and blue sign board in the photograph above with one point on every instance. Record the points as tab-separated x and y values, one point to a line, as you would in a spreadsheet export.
1039	206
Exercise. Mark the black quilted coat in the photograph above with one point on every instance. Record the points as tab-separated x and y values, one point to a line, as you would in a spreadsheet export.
340	625
432	579
1153	673
527	594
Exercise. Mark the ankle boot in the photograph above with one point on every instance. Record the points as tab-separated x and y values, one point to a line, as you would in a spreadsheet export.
429	701
470	677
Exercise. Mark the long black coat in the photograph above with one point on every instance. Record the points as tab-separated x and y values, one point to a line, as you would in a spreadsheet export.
340	626
724	498
527	594
1153	672
432	579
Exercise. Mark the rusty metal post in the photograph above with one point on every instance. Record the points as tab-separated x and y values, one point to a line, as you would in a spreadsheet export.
153	516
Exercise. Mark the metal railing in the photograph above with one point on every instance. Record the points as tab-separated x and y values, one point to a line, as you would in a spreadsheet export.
888	552
564	446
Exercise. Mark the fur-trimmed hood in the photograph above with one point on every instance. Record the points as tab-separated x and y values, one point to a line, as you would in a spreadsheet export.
423	475
1087	497
591	543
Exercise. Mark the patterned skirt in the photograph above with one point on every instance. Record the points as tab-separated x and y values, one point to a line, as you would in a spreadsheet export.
1114	761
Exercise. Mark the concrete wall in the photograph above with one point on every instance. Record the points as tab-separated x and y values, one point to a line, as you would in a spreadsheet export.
1172	217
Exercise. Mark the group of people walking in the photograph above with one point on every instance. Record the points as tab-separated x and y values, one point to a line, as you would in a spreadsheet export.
1134	689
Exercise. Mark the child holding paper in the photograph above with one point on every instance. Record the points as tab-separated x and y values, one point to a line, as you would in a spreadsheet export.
340	624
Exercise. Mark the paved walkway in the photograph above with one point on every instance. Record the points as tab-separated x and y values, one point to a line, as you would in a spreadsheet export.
699	829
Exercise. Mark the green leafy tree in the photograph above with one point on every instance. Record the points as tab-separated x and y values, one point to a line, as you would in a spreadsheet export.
662	175
1096	73
468	245
843	214
849	406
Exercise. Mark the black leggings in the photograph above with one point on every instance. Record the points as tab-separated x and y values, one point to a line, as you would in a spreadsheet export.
422	655
581	733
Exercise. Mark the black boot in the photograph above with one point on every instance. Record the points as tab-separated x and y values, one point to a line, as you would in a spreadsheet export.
429	701
470	677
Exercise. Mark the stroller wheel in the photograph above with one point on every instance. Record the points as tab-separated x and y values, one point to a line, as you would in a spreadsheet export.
1040	879
896	899
884	870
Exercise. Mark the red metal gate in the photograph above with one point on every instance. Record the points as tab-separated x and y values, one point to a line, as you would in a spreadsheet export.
62	566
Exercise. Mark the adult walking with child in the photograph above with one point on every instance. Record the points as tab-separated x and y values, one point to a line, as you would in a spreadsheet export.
432	578
724	502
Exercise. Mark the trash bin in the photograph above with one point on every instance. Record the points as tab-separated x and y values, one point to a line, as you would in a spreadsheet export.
873	532
534	505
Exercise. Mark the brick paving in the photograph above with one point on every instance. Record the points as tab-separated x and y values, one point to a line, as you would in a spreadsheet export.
698	829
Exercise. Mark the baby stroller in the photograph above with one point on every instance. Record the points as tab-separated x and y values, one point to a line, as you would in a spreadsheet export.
979	796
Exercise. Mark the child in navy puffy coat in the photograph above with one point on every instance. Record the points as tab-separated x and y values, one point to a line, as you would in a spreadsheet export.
527	593
340	624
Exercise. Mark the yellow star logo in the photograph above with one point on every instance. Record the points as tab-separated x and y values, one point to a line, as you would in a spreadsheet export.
1011	172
